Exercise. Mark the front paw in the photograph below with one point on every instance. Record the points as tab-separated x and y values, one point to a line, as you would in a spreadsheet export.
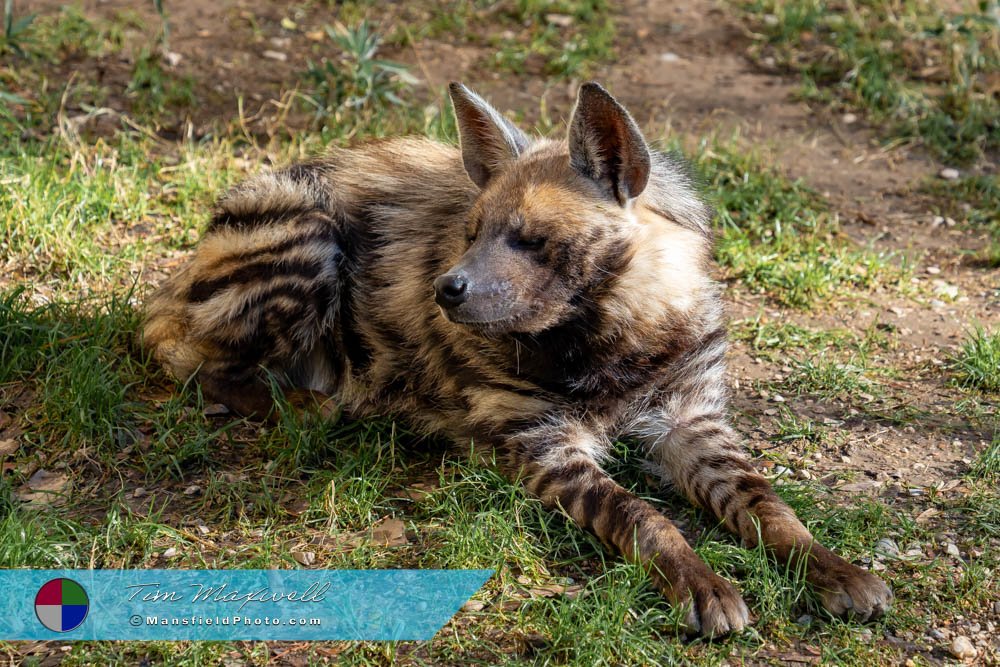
715	607
848	590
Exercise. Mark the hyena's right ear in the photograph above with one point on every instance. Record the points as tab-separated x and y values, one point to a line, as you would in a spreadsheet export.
488	139
605	144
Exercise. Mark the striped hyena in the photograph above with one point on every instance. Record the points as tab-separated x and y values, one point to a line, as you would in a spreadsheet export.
538	298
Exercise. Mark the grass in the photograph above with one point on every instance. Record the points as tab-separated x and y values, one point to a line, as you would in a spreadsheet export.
778	237
918	69
977	363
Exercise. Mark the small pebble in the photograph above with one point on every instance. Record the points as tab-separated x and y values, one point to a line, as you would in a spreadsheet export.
849	119
933	270
962	648
192	490
952	549
939	634
561	20
473	605
170	553
949	174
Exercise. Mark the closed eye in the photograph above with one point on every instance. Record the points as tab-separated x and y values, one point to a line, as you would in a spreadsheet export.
529	243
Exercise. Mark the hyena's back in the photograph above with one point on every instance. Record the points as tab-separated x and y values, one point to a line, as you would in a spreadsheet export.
291	275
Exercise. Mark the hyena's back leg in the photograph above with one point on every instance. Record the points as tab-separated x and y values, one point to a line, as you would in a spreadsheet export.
690	441
257	302
557	464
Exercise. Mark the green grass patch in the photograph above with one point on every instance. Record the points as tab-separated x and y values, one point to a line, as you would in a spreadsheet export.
778	237
919	67
977	363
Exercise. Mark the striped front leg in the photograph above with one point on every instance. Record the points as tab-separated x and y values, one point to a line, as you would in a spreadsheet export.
559	465
692	444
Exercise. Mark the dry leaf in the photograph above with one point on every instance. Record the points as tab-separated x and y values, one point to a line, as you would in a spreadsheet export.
304	557
297	506
389	533
546	591
948	486
215	409
927	515
45	488
867	485
474	605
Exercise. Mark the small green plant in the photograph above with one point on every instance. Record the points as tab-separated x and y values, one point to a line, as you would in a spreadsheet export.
987	464
152	88
357	81
14	30
977	363
792	427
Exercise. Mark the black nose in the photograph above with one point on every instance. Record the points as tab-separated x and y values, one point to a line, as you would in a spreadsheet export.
451	289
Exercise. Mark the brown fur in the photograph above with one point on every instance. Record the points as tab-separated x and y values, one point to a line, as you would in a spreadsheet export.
576	308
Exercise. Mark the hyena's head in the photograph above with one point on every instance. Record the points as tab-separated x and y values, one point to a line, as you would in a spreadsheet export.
555	223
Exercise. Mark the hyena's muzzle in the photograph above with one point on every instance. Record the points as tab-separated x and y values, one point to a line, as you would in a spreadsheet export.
483	287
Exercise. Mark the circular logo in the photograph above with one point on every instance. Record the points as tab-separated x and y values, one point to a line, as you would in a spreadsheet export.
61	605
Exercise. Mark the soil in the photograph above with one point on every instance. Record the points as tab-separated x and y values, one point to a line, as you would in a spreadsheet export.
682	66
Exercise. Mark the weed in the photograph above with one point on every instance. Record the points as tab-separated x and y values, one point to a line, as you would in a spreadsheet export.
791	427
152	88
977	363
987	463
358	85
14	30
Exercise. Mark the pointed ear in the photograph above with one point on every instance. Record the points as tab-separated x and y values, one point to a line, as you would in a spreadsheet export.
606	145
488	139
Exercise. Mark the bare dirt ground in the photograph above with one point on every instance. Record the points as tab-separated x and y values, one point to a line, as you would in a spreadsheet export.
681	66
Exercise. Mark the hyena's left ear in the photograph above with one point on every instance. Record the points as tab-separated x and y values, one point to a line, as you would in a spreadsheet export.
488	139
605	144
